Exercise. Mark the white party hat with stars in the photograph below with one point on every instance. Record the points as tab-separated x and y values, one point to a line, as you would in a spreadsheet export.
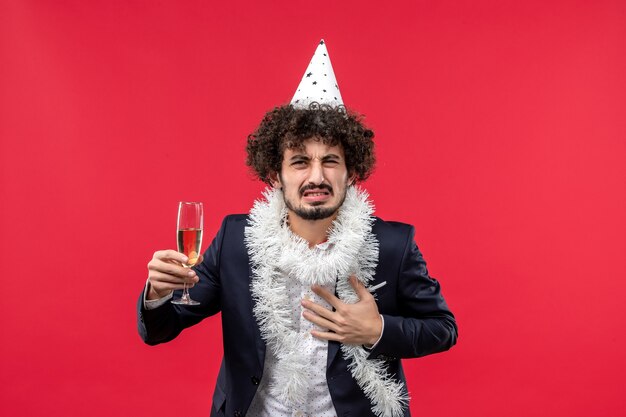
318	83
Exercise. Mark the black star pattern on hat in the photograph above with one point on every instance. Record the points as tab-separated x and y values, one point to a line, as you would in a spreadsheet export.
314	82
324	90
309	74
324	54
322	42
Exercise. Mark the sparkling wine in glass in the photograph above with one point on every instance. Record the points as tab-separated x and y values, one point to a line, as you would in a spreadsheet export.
189	240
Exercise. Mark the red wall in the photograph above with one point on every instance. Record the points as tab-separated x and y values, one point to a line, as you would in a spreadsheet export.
500	135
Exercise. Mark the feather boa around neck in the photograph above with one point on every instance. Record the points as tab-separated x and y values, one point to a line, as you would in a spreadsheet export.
278	256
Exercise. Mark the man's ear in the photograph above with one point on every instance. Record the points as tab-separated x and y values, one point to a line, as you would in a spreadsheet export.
275	180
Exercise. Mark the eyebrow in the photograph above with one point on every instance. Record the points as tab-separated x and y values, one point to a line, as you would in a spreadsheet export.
308	158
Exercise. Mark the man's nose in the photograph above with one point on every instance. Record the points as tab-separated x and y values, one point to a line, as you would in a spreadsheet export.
316	175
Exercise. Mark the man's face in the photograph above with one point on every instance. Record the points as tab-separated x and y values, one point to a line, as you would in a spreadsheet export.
314	180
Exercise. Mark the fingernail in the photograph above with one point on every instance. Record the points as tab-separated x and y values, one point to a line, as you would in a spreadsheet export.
191	273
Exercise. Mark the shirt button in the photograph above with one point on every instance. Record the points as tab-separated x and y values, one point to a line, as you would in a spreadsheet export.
255	380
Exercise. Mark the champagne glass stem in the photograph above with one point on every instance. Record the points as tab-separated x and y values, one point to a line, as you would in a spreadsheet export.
185	295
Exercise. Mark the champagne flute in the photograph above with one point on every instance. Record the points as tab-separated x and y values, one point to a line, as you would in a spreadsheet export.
189	239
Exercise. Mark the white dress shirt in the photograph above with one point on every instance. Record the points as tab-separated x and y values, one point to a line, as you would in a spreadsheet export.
318	402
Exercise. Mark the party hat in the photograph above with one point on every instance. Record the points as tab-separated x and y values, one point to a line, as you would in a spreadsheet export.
318	83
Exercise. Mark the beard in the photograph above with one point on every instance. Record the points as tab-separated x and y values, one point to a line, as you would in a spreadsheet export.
313	212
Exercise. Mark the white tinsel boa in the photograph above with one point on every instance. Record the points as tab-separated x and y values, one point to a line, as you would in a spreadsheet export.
278	256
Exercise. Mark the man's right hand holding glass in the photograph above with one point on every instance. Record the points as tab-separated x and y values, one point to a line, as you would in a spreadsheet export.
166	273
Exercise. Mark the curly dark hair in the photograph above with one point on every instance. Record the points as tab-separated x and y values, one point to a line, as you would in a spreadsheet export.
287	127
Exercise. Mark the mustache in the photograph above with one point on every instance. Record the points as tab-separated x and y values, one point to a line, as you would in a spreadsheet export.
316	187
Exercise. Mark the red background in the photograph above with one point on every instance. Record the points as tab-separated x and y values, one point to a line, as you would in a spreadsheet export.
500	135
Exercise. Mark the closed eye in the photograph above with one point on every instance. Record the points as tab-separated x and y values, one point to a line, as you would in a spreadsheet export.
299	164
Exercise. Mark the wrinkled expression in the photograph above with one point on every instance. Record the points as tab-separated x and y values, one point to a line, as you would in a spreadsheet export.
314	179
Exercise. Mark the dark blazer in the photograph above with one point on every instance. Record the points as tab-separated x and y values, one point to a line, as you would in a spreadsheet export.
417	319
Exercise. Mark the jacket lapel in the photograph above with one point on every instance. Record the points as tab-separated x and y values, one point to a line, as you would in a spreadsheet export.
333	349
259	342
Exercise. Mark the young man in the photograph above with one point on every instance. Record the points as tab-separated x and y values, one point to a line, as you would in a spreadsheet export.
308	273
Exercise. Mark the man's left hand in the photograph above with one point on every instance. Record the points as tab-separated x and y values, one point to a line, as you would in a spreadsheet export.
354	324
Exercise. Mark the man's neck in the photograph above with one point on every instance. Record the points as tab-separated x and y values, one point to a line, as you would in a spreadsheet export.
313	231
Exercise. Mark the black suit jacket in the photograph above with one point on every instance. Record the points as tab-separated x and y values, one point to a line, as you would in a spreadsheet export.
417	319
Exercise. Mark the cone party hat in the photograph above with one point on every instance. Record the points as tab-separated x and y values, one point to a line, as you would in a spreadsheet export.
318	82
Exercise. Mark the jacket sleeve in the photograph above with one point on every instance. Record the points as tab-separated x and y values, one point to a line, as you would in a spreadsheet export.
164	323
423	324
